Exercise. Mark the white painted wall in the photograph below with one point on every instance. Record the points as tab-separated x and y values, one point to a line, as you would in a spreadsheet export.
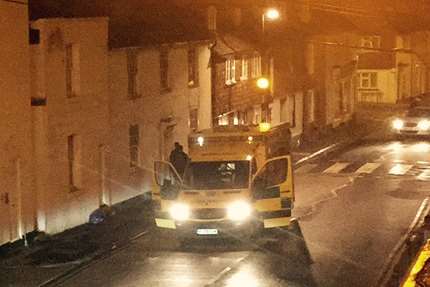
16	194
151	111
386	85
85	115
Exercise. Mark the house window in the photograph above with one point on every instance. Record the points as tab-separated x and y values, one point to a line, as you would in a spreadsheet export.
257	115
244	71
193	67
311	106
284	110
194	120
310	58
256	67
72	63
73	158
164	69
293	110
368	80
371	42
230	71
133	132
132	72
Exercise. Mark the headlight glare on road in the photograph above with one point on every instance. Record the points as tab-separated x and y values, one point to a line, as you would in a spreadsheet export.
424	125
179	211
398	124
238	211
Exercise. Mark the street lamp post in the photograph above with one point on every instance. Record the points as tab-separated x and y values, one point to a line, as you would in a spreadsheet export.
271	14
263	83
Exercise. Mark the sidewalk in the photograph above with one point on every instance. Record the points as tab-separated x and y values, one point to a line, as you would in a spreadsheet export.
51	257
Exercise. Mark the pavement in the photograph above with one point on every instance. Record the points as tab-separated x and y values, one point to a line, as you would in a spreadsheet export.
48	258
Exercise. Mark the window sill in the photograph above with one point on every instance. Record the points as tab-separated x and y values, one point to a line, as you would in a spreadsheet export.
192	86
165	90
136	97
73	189
230	83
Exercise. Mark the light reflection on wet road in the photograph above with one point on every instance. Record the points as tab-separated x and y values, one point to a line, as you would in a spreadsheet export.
348	223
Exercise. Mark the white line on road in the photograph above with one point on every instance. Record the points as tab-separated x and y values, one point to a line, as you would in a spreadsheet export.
337	167
425	175
368	167
400	169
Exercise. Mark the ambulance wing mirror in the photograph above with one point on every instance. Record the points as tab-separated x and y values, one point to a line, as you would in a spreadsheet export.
167	178
273	173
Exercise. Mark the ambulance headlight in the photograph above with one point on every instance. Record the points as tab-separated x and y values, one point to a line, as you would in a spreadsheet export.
179	211
424	125
398	124
239	210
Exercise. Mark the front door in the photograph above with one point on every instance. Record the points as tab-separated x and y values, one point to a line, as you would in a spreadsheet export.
5	218
272	191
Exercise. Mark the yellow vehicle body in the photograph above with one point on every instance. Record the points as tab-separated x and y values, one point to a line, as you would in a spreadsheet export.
419	274
231	171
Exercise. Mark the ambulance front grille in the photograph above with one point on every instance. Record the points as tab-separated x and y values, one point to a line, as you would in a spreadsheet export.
208	213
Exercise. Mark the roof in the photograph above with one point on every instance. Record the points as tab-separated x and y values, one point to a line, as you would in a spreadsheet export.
376	61
228	44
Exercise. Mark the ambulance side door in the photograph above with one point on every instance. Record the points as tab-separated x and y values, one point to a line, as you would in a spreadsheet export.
272	192
166	185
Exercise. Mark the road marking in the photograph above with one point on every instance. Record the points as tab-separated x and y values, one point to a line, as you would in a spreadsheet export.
337	167
368	167
306	168
400	169
425	175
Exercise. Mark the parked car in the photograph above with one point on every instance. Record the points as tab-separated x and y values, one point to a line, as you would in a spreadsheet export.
415	122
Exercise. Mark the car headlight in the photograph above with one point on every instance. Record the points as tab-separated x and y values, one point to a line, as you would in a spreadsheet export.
239	210
179	211
424	125
398	124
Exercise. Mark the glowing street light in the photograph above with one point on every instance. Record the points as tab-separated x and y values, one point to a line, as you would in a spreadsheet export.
263	83
272	14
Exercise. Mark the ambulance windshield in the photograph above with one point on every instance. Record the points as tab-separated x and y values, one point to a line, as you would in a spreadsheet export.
217	175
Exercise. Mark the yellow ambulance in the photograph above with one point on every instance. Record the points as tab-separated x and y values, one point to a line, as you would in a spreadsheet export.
239	180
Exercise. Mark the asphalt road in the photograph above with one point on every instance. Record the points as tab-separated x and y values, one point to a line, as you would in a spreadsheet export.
351	208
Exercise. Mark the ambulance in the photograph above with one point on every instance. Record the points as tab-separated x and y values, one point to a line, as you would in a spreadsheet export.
239	181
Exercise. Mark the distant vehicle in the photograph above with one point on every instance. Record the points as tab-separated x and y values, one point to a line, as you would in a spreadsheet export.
239	181
415	122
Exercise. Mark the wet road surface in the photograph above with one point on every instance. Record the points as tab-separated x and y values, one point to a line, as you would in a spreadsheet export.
351	210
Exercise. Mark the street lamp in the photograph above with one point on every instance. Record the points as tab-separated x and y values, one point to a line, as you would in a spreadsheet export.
263	83
271	14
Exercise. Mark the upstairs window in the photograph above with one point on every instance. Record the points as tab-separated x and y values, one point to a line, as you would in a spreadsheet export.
193	67
133	133
371	42
230	71
73	73
132	73
164	69
256	67
368	80
73	158
244	69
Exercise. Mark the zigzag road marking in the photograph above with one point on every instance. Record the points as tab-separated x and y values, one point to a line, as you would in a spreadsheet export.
337	167
368	167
